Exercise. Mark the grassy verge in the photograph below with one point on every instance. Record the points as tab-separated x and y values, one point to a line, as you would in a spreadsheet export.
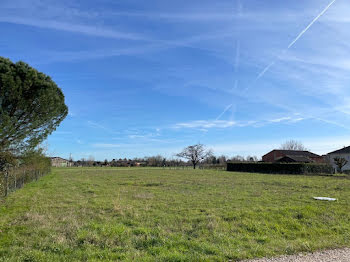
109	214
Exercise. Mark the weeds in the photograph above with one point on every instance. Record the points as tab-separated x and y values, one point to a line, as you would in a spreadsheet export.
111	214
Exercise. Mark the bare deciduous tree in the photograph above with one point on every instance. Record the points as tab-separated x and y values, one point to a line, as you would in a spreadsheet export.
340	163
195	154
293	145
237	158
155	160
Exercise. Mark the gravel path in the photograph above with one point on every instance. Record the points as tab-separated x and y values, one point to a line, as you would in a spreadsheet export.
335	255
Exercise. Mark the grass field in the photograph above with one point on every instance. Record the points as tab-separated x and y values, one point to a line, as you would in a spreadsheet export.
140	214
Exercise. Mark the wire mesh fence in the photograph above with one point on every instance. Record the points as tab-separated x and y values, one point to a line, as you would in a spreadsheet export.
14	178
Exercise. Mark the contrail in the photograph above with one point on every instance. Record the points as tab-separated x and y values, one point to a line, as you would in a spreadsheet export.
238	54
294	41
313	21
266	69
236	65
234	86
223	112
237	61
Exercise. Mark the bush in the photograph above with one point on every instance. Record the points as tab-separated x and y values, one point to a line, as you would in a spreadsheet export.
280	168
346	172
317	169
216	166
20	170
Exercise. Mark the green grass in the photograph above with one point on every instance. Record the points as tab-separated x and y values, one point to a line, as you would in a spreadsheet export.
110	214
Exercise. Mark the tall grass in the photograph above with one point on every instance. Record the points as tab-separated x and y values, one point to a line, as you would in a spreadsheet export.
145	214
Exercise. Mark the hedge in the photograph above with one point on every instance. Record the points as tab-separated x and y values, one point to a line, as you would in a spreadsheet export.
21	170
280	168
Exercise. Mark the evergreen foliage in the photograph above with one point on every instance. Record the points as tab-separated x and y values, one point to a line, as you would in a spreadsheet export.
31	106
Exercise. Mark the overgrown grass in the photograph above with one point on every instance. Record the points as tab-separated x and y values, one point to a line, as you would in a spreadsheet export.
109	214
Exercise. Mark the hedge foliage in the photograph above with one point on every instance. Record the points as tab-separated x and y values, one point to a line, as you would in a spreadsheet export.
280	168
216	166
19	170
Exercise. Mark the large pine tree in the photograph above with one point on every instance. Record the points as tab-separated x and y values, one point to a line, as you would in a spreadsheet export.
31	106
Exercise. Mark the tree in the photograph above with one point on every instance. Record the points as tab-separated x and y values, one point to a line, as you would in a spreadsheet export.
237	158
221	160
113	163
155	160
340	162
195	154
211	160
90	161
6	161
252	159
31	106
293	145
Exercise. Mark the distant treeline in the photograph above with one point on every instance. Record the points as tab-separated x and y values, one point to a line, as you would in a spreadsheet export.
160	161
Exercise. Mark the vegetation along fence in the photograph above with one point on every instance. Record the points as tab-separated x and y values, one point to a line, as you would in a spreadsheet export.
280	168
26	169
215	166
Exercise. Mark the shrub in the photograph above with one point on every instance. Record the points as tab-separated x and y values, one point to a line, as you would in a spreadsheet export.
216	166
280	168
17	171
346	172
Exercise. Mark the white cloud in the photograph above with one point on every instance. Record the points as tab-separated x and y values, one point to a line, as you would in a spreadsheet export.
319	145
287	119
205	124
59	16
182	17
96	125
70	27
136	136
106	145
53	56
277	120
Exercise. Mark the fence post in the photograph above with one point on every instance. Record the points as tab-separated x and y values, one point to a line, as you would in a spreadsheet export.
23	177
6	182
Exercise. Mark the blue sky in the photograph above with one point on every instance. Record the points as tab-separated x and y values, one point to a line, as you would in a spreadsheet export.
150	77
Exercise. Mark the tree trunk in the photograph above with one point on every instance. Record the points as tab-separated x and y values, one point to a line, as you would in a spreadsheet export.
194	165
